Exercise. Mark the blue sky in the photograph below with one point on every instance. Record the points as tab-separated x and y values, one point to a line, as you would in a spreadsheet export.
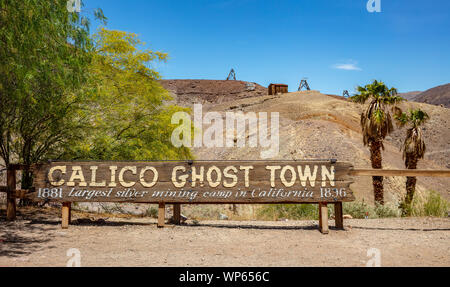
336	44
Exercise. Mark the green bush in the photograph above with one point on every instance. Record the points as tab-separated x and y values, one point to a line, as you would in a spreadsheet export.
152	212
387	210
436	205
359	209
288	211
432	204
203	212
311	211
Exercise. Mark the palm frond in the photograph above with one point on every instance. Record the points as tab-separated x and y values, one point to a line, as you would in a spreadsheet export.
414	147
401	119
418	117
362	95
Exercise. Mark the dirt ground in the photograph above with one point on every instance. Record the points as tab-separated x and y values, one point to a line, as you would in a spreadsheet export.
36	239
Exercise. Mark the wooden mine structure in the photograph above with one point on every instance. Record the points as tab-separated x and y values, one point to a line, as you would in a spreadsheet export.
275	89
231	75
303	84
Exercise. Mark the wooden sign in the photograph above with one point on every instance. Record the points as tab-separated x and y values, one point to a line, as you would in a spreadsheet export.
194	182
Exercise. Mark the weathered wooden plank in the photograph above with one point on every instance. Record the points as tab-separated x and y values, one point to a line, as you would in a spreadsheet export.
11	195
338	215
79	179
194	182
254	170
260	192
163	185
399	172
161	214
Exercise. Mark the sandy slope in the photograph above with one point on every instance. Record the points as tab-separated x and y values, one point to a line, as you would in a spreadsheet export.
313	125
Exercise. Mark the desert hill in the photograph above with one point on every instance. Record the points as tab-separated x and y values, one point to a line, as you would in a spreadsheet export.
410	96
314	125
212	91
439	95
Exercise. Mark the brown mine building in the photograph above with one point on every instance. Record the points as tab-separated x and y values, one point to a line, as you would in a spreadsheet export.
275	89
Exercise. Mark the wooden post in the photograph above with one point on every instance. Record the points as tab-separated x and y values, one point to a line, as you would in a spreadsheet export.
338	215
65	214
70	212
323	217
161	214
11	194
177	213
320	217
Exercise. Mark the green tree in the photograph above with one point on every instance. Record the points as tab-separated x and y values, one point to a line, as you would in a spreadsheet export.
413	149
44	52
129	113
376	124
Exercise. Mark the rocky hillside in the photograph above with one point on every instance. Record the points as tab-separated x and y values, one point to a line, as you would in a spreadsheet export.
212	91
314	125
439	95
410	96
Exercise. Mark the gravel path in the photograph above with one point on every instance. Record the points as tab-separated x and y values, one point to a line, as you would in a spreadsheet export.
138	242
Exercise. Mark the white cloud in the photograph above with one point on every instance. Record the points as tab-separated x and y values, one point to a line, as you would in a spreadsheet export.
352	66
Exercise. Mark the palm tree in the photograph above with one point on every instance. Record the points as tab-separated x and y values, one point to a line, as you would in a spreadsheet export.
413	149
376	124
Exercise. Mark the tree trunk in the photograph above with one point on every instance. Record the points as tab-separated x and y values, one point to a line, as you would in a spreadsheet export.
411	163
377	181
410	189
27	183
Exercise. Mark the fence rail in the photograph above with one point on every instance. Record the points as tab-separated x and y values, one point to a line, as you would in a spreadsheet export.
401	172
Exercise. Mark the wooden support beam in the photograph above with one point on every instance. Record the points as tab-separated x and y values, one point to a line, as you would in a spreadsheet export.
70	212
320	218
399	172
323	217
65	215
161	214
11	195
338	215
177	213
